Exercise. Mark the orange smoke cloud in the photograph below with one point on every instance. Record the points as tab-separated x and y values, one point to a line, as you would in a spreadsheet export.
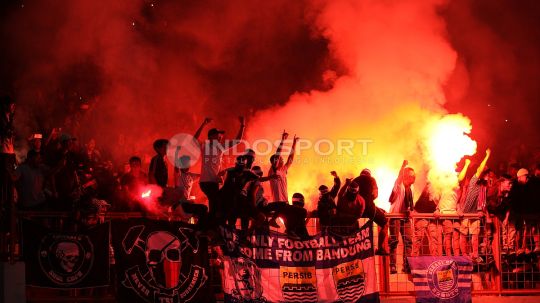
398	61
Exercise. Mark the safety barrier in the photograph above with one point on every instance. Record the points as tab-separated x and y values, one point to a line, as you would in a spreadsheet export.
500	267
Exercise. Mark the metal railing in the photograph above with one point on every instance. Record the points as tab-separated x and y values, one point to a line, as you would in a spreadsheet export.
496	271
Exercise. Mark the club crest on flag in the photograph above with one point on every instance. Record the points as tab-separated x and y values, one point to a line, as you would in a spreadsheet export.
247	281
298	284
350	280
442	279
163	278
66	259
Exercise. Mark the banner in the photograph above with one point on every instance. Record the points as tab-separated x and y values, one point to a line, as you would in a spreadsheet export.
271	267
442	279
161	262
66	260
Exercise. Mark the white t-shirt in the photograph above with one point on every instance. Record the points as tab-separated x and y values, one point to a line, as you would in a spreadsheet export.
184	182
448	202
278	186
211	162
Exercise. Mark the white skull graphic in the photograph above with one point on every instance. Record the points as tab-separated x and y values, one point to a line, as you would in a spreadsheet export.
164	258
68	253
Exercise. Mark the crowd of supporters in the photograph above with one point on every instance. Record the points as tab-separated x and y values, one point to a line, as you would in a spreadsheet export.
62	174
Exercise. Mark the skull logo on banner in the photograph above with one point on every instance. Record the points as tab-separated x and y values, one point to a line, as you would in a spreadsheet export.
163	279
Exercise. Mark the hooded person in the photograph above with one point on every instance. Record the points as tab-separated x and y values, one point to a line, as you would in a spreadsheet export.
368	189
326	205
350	205
231	192
294	217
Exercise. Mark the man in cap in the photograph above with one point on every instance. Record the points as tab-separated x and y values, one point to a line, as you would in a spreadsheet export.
35	142
524	210
213	150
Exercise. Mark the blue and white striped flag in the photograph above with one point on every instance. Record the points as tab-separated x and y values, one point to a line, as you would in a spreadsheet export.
442	279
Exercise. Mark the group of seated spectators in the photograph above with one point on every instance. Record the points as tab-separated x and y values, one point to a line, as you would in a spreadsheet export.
60	174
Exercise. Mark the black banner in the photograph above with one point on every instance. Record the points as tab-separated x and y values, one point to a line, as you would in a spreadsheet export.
66	259
160	261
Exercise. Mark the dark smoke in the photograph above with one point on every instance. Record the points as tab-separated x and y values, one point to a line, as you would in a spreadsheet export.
498	44
151	69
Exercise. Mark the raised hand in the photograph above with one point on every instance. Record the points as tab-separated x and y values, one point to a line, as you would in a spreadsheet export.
284	135
333	173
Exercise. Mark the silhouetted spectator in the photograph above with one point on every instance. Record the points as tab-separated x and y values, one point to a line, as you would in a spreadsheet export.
231	193
294	217
183	178
326	206
31	176
7	161
132	184
158	172
350	207
369	190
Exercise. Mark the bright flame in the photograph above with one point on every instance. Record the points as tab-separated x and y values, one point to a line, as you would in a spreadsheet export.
447	141
148	198
146	194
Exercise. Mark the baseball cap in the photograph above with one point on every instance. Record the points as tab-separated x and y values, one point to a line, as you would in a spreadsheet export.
522	172
36	136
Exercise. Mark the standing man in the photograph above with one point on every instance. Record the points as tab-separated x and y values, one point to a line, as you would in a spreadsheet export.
158	172
369	190
213	150
278	182
475	203
326	206
401	201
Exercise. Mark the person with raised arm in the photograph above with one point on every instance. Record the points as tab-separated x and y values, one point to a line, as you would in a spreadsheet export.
475	203
213	150
326	206
401	202
278	182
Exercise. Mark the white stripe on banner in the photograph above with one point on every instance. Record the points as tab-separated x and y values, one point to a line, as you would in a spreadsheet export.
425	280
424	271
426	288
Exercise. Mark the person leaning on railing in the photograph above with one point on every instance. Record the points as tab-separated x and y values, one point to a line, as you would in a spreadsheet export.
401	201
475	202
426	204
